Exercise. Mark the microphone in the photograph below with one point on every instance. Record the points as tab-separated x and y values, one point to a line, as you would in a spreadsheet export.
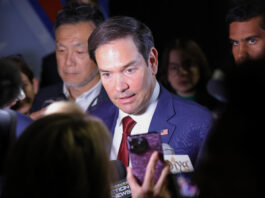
177	163
167	150
179	181
10	81
121	188
120	169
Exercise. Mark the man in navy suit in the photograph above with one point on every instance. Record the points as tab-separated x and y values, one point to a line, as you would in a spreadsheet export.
124	51
81	80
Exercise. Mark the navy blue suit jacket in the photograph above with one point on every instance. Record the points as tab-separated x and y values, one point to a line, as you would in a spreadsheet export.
14	121
22	123
187	122
53	93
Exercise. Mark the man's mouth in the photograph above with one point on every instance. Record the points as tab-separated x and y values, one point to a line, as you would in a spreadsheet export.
126	99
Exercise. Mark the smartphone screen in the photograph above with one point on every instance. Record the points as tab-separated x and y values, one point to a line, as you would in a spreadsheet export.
140	149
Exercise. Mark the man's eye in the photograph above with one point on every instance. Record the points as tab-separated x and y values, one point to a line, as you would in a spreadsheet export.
130	70
234	43
252	41
60	50
173	68
105	75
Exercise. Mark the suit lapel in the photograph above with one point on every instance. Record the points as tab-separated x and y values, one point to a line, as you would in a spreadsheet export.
105	110
163	113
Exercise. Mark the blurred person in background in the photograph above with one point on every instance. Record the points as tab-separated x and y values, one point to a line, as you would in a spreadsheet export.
29	85
10	86
231	163
185	71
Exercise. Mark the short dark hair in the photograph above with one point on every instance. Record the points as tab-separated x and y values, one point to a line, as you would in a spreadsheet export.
22	65
246	10
120	27
10	81
78	12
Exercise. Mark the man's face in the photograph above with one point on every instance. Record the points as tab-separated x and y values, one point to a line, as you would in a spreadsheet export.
248	40
128	80
74	63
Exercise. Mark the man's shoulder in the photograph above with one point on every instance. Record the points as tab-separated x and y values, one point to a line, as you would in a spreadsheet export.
22	122
46	95
185	108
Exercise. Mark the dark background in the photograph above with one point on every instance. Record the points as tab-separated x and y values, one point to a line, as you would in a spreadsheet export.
201	20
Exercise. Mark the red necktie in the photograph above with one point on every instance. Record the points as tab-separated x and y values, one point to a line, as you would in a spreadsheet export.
127	123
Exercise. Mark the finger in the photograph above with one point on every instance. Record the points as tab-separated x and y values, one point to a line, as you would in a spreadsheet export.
162	181
150	170
131	179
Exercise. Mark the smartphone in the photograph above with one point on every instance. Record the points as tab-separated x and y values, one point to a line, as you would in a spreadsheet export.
140	149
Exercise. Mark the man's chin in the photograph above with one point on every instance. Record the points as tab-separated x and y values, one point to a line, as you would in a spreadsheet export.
130	110
126	109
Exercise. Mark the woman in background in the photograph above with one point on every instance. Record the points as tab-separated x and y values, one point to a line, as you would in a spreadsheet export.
185	71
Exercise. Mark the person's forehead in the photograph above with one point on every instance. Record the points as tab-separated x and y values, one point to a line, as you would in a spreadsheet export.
118	45
83	29
245	28
118	53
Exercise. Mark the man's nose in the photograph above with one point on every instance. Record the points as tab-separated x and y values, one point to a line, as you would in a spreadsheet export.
120	83
182	70
242	54
69	59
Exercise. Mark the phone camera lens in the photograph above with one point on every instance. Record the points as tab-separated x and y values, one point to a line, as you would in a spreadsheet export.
138	145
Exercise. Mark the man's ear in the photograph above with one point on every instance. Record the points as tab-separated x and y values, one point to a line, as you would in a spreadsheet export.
35	85
153	60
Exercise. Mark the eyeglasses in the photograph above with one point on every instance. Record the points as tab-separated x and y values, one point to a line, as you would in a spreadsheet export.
174	69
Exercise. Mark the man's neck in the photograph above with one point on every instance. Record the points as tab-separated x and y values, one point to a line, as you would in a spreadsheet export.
75	92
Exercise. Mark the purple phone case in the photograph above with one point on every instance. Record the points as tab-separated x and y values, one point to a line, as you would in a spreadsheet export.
140	161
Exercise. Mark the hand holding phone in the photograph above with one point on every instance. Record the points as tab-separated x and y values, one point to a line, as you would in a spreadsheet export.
148	189
140	149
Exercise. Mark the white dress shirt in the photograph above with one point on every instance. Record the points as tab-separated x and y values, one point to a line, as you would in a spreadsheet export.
142	123
88	98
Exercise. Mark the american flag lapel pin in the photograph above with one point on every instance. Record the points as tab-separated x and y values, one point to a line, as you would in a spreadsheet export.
164	132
